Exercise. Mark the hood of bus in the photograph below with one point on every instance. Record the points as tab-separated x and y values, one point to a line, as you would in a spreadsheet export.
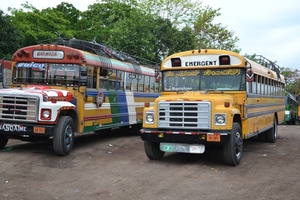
217	98
44	92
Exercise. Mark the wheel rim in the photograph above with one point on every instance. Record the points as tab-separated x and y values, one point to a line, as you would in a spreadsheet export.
238	144
68	135
275	130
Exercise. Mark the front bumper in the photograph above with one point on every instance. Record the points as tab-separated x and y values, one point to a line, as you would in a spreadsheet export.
26	131
202	137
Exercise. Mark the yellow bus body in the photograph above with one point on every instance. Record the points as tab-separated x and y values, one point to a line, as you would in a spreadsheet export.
199	103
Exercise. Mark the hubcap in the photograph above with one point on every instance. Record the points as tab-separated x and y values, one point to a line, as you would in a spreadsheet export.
68	135
238	144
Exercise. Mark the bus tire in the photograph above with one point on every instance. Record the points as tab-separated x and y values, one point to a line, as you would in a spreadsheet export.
272	132
153	151
3	140
63	138
233	150
262	137
135	129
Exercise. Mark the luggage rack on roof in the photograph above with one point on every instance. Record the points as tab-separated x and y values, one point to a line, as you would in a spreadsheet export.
98	48
265	62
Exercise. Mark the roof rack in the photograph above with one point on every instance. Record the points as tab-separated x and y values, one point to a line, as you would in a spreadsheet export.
267	63
100	49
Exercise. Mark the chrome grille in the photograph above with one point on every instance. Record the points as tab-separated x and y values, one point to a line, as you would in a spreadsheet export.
184	115
19	108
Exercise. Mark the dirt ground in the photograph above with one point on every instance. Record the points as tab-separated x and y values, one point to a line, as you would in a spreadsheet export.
114	166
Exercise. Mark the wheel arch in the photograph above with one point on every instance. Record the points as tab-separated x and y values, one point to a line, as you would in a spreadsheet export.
237	119
73	115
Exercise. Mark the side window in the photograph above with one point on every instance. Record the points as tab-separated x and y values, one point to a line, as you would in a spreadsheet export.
135	81
147	84
141	83
112	79
258	84
152	83
128	81
92	77
121	79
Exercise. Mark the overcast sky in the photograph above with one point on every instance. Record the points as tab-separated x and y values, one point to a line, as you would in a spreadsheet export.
270	28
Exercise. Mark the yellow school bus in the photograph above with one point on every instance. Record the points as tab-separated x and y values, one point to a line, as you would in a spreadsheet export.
70	87
213	97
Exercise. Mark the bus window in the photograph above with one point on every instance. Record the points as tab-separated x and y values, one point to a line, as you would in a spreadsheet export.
63	74
29	73
103	82
135	81
121	80
147	84
141	83
132	81
92	77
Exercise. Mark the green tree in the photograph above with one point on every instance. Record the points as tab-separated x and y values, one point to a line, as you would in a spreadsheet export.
38	25
292	78
121	26
10	37
191	14
209	35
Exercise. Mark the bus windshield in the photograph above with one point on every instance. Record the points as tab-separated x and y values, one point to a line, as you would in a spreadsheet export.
46	73
207	79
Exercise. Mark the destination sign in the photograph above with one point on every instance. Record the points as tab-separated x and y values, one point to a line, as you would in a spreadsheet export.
48	54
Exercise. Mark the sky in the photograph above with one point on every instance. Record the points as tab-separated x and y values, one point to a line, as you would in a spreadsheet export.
270	28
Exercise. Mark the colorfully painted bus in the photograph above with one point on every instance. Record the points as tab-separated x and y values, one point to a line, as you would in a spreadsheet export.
292	109
73	86
213	97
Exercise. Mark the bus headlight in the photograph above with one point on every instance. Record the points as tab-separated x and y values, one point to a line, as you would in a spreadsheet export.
149	118
220	119
46	114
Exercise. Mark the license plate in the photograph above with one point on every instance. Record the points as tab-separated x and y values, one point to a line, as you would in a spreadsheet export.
13	128
182	147
39	130
167	147
213	137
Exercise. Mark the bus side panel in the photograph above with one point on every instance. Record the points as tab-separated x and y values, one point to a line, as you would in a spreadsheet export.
280	117
96	118
119	109
261	118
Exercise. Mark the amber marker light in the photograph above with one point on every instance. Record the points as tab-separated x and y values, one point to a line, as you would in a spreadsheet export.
160	135
202	137
147	104
226	104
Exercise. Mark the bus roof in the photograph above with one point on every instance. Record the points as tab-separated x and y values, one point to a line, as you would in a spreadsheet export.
50	53
195	59
206	58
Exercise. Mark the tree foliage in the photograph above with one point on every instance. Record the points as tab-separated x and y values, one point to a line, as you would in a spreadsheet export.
145	28
10	37
209	35
292	78
36	25
184	14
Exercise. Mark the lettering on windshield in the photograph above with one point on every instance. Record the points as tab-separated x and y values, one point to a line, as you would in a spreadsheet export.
30	65
183	73
228	72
